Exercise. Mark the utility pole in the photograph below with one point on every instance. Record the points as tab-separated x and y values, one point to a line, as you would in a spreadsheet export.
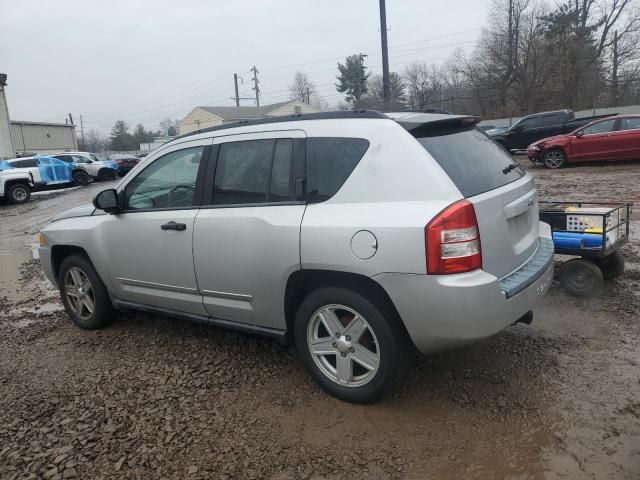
84	145
235	82
308	95
255	85
71	119
385	53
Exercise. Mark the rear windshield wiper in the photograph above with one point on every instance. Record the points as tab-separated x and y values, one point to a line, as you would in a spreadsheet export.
508	168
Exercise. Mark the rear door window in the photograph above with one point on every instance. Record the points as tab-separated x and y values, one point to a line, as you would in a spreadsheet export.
632	123
242	172
330	161
552	120
600	127
473	161
530	123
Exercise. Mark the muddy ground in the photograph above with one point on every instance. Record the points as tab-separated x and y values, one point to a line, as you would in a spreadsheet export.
151	397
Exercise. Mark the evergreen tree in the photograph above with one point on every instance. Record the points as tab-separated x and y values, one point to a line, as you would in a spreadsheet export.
353	77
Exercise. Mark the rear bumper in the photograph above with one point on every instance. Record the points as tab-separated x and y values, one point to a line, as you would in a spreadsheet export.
446	311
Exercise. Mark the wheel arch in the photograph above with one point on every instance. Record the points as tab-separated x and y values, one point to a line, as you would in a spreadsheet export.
302	282
60	252
18	181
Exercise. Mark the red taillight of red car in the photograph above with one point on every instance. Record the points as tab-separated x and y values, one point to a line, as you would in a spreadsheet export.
452	240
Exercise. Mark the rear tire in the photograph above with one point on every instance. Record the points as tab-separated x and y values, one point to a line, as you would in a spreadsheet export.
612	265
581	278
358	333
554	158
18	193
84	296
80	178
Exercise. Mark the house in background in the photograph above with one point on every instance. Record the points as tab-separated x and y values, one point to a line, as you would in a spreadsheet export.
204	117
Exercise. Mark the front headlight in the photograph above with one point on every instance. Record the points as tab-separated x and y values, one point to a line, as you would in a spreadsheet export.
534	147
41	240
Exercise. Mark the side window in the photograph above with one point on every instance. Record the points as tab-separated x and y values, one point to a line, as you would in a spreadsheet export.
330	161
79	159
551	120
600	127
27	163
64	158
529	123
632	123
242	172
168	182
280	188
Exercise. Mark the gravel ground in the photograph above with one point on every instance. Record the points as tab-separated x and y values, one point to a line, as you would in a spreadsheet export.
152	397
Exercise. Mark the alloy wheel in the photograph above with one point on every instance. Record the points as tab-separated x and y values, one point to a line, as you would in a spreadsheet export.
343	345
79	293
554	159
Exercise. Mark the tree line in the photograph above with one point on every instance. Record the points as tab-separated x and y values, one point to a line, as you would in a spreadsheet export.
121	140
532	56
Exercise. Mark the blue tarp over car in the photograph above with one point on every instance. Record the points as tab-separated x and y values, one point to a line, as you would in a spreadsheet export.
4	165
53	170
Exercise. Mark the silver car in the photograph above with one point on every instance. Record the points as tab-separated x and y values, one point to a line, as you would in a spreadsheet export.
358	236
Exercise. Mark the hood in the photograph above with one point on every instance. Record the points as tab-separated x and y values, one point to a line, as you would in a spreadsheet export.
106	163
549	139
83	211
496	131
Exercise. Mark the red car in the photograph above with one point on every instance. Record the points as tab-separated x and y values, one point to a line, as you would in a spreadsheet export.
613	138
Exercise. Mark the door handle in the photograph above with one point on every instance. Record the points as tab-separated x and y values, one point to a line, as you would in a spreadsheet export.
174	226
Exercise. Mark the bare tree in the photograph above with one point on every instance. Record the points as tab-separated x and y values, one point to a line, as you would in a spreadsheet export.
424	84
94	141
375	98
302	88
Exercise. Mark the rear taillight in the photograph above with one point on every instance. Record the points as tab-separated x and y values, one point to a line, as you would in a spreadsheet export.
453	241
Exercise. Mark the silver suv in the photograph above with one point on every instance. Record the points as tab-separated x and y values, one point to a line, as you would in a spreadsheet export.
355	235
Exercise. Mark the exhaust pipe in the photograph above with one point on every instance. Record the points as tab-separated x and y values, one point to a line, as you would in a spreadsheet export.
526	318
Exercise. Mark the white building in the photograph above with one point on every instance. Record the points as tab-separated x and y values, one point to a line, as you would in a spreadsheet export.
204	117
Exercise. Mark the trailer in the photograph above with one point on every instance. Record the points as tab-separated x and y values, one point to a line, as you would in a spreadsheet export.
591	232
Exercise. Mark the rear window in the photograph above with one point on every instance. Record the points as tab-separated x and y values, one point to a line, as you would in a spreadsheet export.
330	161
474	162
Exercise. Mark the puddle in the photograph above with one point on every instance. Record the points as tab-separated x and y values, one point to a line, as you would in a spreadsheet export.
10	262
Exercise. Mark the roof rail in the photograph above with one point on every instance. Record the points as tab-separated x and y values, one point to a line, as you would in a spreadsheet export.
290	118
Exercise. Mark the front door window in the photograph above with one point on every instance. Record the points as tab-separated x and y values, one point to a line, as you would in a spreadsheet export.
168	182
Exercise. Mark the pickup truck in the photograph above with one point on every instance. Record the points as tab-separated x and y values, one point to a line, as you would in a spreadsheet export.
15	184
536	126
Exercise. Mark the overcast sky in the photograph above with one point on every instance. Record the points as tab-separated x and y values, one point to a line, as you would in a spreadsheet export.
143	61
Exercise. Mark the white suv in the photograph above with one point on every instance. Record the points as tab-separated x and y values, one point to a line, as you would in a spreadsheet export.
356	235
87	162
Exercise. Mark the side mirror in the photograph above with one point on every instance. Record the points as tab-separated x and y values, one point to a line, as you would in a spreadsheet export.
107	200
580	133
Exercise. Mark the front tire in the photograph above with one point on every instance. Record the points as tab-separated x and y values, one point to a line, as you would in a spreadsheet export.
555	158
18	193
84	296
351	346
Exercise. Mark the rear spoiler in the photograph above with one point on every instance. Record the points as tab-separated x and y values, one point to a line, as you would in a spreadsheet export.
413	123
